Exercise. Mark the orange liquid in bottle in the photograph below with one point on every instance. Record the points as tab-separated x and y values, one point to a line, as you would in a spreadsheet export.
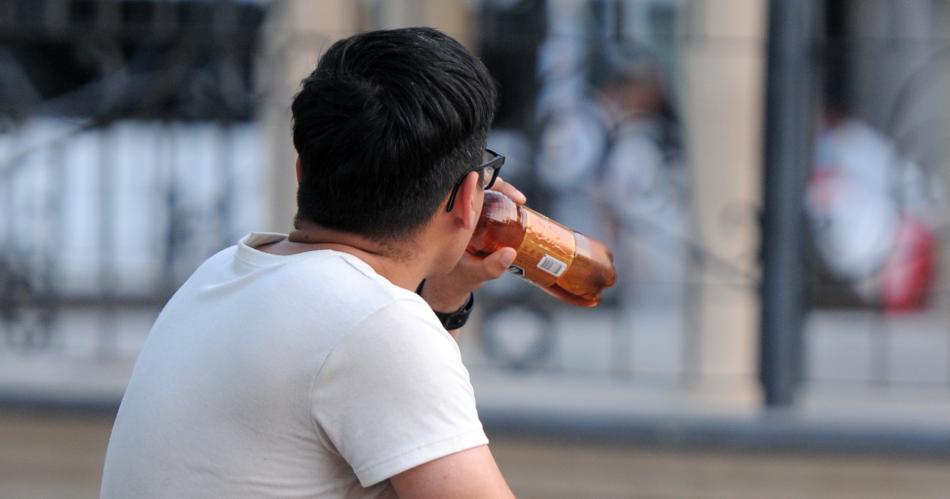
566	264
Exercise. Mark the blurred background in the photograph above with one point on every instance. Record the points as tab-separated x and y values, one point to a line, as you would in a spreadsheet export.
772	177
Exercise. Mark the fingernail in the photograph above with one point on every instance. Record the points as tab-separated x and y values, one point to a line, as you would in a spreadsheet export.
508	258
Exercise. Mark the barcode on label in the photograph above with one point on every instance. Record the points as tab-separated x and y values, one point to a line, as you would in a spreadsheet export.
552	265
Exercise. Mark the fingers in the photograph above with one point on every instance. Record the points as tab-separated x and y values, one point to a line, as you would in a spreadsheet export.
509	190
477	270
449	291
495	264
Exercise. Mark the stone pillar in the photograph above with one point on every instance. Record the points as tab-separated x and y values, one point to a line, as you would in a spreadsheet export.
295	34
723	63
453	17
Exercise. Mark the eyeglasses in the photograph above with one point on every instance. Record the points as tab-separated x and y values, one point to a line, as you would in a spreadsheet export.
491	165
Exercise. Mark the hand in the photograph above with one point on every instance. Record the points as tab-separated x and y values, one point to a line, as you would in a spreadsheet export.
448	292
509	190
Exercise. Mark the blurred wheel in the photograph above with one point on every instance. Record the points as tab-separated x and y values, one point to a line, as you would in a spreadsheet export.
517	337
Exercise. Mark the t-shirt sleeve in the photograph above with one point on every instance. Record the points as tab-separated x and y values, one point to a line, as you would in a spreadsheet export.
394	394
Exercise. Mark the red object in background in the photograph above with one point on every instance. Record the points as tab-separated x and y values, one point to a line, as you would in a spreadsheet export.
908	274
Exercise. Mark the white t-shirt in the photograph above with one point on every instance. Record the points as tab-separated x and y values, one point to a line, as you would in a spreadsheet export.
307	375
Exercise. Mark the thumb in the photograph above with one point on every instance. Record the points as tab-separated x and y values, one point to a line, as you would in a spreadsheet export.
498	262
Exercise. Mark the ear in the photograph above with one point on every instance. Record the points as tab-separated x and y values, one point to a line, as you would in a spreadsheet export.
467	202
299	170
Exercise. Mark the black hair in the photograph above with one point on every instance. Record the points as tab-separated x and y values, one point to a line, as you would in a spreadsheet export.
384	127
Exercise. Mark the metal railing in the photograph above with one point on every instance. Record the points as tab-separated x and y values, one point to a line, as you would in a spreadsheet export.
126	140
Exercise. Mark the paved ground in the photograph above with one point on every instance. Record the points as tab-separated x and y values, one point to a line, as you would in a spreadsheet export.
55	456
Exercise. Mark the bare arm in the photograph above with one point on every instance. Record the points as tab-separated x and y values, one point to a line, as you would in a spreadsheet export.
471	473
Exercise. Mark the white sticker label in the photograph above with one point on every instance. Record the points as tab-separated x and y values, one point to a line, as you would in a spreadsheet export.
552	265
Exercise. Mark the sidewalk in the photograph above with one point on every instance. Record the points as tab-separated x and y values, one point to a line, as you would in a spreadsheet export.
51	456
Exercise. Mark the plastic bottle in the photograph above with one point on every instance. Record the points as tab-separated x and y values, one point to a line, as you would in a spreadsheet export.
566	264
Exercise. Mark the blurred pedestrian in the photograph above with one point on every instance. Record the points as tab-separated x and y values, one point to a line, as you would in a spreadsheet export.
871	215
641	186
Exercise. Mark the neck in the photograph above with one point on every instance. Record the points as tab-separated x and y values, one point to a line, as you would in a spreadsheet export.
402	262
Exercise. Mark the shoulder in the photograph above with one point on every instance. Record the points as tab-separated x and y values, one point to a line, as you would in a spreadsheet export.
399	347
401	331
399	352
394	394
348	277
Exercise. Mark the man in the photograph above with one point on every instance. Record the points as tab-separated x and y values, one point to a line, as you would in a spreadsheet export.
307	365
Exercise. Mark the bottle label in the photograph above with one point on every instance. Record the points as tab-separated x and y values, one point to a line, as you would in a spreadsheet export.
546	251
552	265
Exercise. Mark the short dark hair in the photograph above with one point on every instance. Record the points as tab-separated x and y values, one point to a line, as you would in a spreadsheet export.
384	126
